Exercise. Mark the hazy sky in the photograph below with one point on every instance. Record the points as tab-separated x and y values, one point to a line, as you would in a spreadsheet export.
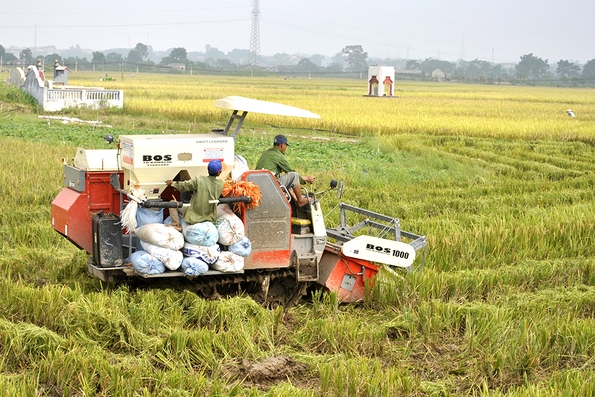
491	30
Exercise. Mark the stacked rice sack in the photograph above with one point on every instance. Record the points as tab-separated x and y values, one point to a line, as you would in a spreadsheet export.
221	246
158	245
163	242
200	248
235	245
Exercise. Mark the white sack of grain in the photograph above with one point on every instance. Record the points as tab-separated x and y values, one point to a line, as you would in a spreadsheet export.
160	235
172	259
228	262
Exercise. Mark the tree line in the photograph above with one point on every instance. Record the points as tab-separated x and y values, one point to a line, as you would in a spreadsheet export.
351	59
530	68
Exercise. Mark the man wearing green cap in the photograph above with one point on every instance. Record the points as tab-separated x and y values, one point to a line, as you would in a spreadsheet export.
274	160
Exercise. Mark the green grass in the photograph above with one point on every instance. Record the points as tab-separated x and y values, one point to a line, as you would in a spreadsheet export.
504	306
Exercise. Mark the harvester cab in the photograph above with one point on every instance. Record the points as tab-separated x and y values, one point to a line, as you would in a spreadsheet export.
262	246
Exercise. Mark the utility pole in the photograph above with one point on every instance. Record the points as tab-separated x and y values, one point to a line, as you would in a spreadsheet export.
463	48
255	34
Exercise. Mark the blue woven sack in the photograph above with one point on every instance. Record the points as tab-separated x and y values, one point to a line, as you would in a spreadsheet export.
145	263
204	233
193	266
242	247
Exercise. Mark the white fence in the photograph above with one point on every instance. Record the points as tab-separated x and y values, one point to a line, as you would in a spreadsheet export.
58	99
55	99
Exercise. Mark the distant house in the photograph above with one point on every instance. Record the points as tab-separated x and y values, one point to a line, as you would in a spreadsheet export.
177	66
439	75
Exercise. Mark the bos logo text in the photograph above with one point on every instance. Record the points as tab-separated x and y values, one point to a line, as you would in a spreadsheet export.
156	159
387	251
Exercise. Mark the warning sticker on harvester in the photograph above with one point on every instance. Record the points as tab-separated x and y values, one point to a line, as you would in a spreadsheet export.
127	156
209	154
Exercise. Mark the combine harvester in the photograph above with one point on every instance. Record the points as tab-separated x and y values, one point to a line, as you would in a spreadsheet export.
291	249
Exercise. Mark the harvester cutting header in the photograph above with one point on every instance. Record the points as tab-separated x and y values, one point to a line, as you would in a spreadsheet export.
116	205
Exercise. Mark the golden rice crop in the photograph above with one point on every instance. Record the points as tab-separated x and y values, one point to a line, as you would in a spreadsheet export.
498	178
429	108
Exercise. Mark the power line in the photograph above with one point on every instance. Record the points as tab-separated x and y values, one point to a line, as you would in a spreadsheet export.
125	25
112	12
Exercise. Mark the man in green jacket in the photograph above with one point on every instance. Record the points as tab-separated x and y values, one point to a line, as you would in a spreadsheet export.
205	188
274	160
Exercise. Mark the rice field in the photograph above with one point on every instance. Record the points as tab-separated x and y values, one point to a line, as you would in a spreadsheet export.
429	108
498	178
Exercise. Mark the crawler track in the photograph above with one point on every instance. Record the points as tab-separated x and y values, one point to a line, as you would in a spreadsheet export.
270	288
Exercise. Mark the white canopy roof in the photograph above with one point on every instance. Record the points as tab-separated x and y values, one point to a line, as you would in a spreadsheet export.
257	106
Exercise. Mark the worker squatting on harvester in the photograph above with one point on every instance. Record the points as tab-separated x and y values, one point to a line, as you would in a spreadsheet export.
273	159
205	188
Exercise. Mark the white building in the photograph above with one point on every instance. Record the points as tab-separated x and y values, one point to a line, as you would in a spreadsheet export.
439	75
381	80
